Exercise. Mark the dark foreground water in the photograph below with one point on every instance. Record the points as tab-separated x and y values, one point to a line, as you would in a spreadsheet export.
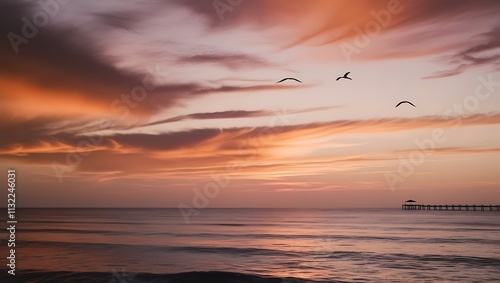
254	245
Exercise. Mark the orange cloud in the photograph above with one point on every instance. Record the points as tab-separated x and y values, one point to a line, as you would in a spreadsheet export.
268	152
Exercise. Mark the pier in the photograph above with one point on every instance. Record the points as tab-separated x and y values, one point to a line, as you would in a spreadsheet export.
452	207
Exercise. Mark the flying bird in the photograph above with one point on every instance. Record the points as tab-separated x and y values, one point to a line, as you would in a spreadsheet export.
345	76
404	101
293	79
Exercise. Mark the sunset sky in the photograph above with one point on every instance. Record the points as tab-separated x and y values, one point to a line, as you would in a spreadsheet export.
152	103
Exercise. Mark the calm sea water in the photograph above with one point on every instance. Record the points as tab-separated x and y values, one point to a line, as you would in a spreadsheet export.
255	245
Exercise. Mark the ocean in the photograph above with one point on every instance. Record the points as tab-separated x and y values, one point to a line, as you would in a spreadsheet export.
254	245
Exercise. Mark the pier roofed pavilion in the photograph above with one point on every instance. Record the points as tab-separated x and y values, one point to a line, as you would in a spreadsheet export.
410	205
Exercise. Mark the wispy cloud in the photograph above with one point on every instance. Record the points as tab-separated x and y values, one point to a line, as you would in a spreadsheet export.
472	57
453	150
233	114
230	61
118	20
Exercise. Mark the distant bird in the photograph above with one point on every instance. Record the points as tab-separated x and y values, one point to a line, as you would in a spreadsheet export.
293	79
345	76
404	101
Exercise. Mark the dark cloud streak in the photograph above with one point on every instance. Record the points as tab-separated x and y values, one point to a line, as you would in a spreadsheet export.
213	115
31	132
233	114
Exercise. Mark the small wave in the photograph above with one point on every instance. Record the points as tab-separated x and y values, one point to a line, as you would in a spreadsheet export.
186	277
78	231
229	224
400	258
188	249
96	222
236	251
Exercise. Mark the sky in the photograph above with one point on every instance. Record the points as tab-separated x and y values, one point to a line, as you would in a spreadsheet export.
176	103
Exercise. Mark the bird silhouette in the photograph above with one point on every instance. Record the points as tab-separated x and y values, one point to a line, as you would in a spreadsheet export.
404	101
345	76
293	79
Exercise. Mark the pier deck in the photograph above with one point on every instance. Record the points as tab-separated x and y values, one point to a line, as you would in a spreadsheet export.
456	207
